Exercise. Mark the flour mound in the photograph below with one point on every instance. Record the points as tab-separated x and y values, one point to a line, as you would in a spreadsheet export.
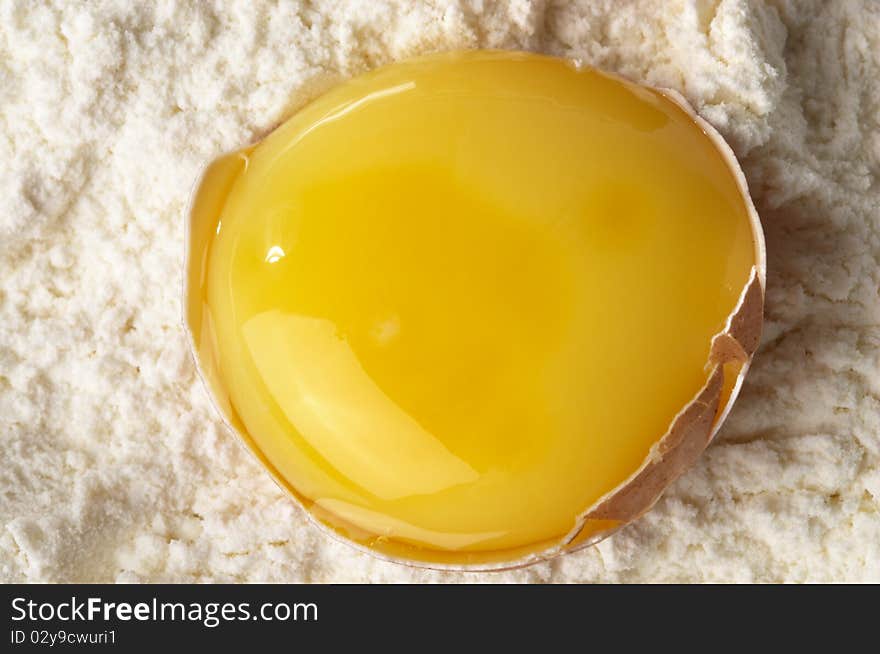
115	466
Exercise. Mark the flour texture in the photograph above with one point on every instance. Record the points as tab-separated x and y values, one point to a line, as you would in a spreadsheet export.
114	464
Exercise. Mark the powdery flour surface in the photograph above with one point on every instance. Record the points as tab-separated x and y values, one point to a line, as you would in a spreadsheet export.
114	466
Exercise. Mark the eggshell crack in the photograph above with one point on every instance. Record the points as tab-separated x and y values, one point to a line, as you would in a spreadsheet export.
692	429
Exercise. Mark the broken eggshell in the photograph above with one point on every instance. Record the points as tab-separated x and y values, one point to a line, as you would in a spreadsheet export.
688	435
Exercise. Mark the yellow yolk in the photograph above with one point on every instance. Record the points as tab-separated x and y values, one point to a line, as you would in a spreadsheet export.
455	301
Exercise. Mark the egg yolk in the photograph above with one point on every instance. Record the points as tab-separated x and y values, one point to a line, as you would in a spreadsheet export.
455	301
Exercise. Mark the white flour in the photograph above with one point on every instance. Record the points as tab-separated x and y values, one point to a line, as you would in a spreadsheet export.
114	466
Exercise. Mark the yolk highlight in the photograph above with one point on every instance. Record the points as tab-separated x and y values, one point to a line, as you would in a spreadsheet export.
455	301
